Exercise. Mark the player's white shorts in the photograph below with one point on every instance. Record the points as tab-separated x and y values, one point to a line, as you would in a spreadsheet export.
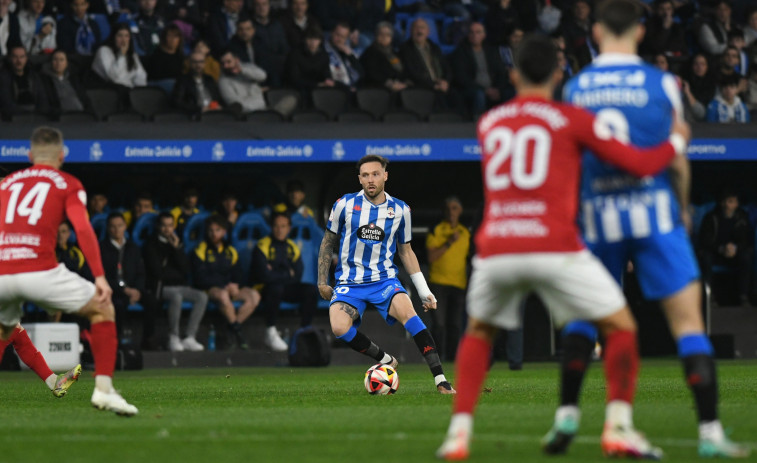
54	289
573	285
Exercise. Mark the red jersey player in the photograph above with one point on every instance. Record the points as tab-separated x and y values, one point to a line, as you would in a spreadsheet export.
33	202
528	241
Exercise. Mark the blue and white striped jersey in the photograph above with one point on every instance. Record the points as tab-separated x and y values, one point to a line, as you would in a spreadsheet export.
638	102
368	237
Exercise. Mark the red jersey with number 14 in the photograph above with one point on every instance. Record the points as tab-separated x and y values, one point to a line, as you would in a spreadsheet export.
531	159
33	203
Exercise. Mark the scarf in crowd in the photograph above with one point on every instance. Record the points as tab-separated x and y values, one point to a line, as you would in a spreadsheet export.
341	70
113	6
85	38
735	112
393	59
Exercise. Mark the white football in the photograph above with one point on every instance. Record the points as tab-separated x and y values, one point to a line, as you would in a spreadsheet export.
381	379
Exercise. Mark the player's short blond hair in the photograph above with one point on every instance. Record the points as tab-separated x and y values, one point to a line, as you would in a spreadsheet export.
46	143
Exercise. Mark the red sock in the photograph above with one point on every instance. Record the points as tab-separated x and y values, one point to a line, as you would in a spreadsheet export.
621	365
29	354
472	363
104	345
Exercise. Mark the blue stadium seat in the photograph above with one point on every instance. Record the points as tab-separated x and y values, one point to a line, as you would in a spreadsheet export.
308	236
144	228
696	220
194	231
102	22
250	227
98	223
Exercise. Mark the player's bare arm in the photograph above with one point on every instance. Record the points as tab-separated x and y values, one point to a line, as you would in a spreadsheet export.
324	263
680	178
410	262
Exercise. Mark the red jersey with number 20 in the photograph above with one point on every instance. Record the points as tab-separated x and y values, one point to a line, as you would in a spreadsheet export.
531	159
33	203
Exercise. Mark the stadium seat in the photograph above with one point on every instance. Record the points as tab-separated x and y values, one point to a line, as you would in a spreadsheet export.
77	117
445	117
264	117
149	101
376	101
102	22
355	117
275	95
250	227
696	219
194	231
29	118
218	117
332	101
403	23
418	100
144	228
400	117
104	102
125	117
99	222
308	236
172	116
310	117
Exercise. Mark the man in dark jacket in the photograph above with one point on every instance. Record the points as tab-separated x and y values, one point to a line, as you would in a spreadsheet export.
125	272
276	263
479	72
167	268
196	92
307	67
215	269
77	32
22	90
222	25
725	239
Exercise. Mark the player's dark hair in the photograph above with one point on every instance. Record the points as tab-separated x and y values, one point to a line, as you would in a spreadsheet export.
619	16
372	158
131	62
47	136
536	58
728	192
115	215
276	215
732	80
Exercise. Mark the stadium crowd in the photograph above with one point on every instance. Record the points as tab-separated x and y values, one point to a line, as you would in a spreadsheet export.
330	56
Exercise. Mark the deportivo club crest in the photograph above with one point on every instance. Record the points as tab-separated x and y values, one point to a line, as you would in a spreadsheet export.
390	212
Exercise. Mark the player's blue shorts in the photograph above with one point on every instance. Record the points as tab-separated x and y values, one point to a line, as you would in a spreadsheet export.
378	294
664	264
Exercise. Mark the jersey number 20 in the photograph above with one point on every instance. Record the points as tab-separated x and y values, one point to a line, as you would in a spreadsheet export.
503	144
30	206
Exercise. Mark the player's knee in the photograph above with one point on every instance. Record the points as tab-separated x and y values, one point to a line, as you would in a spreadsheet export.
481	330
339	328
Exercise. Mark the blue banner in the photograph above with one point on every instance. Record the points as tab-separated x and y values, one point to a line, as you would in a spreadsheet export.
210	151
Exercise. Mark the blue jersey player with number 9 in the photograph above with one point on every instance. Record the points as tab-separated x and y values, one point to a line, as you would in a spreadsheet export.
644	221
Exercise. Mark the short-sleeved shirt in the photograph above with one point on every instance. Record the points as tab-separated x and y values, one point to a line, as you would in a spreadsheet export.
368	237
450	268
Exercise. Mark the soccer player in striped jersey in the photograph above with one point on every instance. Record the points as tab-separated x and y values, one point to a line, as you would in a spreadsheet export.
371	227
639	220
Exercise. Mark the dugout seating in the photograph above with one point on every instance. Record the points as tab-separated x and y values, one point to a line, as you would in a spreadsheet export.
194	231
144	228
250	227
98	224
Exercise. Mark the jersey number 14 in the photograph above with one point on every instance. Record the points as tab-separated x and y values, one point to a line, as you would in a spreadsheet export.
30	206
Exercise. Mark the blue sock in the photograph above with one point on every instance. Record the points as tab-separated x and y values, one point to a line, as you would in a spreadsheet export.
694	344
696	354
581	328
349	335
415	325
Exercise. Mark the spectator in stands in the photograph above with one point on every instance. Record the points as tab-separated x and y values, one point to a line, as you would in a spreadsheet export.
185	12
67	93
222	25
713	35
113	9
729	68
663	34
116	63
125	272
751	93
212	67
150	24
295	201
296	22
698	87
277	264
725	239
479	72
37	31
196	92
273	46
308	67
660	61
97	204
181	214
166	64
215	269
229	208
240	83
425	66
501	19
577	31
506	52
22	89
142	205
448	246
750	30
382	67
345	68
69	254
243	43
77	32
10	31
727	106
167	268
736	41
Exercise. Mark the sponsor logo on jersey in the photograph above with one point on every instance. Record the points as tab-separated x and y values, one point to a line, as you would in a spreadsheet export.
371	233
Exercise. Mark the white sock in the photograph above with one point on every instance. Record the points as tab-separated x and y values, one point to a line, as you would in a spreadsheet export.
619	413
387	359
711	430
568	411
50	381
103	383
460	422
439	379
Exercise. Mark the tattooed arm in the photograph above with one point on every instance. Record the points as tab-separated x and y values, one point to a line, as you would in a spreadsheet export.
324	263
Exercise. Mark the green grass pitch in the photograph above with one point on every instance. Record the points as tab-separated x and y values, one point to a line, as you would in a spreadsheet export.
286	415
